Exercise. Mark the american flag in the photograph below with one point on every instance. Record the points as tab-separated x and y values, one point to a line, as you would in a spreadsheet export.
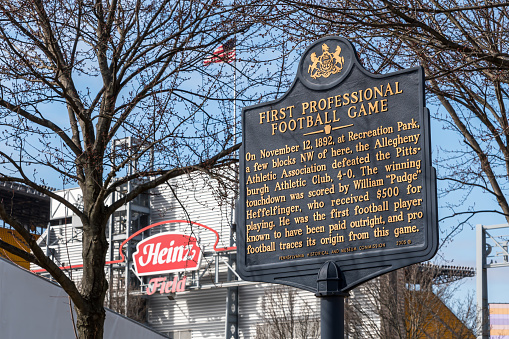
223	53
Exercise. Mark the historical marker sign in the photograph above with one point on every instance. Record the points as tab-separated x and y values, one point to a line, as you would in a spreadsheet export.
338	169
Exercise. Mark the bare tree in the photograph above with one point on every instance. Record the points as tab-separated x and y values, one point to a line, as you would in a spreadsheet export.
77	75
287	316
136	305
463	47
411	303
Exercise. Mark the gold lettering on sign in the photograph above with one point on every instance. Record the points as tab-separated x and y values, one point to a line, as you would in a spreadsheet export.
358	184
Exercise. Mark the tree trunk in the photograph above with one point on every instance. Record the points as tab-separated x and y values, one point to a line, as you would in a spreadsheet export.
90	319
90	324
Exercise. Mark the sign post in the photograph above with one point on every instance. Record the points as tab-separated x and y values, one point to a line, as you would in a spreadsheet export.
336	182
332	302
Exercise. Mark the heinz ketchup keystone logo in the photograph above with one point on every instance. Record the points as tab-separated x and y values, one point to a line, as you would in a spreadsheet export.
166	252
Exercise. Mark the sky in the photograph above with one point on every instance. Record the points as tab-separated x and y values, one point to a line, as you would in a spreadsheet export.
461	251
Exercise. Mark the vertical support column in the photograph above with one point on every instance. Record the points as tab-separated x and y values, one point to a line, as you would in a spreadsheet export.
110	249
232	313
332	301
47	250
332	310
232	256
216	268
481	283
127	255
130	171
48	238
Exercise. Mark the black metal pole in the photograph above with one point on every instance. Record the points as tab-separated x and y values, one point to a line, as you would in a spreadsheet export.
332	301
332	310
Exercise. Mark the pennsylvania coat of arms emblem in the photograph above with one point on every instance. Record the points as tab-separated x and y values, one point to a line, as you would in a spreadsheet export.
326	64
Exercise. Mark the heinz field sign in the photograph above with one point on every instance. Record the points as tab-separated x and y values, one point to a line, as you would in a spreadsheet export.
338	169
166	253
